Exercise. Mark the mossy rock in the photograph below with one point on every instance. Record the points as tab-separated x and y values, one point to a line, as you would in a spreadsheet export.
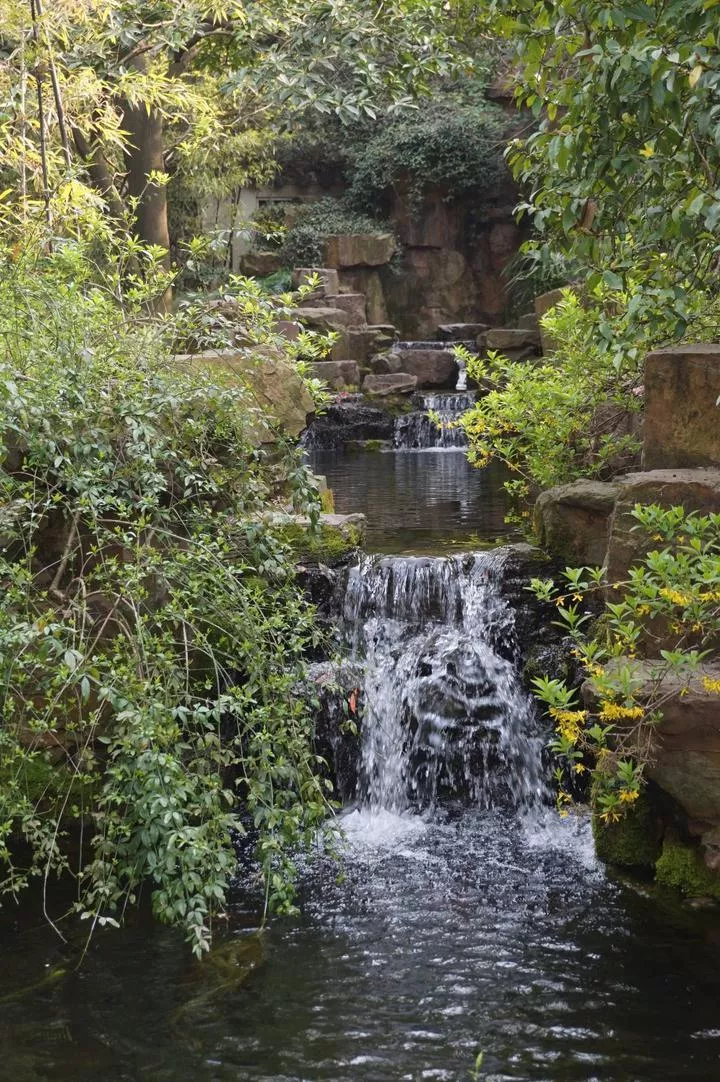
336	537
632	842
681	866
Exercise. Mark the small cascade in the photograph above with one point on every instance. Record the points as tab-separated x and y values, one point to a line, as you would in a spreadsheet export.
419	431
444	715
468	343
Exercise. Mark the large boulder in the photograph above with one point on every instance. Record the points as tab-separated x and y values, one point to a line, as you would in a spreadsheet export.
516	343
461	332
390	384
695	490
682	419
573	521
338	375
358	249
273	382
431	367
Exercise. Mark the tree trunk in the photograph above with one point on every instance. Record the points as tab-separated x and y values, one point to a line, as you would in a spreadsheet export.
146	153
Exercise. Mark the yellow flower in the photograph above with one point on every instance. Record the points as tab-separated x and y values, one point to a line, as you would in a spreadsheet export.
629	796
711	685
675	596
616	712
579	768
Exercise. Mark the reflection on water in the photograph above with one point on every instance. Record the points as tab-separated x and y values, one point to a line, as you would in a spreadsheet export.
417	501
445	937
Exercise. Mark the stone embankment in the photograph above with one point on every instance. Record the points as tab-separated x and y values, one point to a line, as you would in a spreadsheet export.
677	831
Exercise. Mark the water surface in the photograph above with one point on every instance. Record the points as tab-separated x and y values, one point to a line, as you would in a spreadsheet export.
429	501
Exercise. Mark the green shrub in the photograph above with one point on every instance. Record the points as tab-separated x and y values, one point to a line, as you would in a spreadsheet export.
303	244
458	147
151	633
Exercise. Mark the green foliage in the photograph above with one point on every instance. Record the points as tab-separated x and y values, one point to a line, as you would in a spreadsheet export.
303	244
568	416
670	609
625	160
151	634
457	147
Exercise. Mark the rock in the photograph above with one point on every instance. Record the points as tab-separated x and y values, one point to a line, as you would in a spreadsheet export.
339	375
361	343
696	490
366	280
392	383
383	363
348	421
543	303
687	763
322	317
431	367
573	521
358	249
288	329
512	338
261	264
329	279
461	332
335	538
268	376
682	419
352	303
529	322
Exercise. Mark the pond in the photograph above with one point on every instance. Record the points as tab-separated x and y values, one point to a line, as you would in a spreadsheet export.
471	925
417	501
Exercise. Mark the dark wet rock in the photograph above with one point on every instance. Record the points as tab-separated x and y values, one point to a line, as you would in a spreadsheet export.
349	420
334	690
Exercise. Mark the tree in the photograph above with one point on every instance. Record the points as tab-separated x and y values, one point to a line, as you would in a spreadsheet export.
116	78
624	167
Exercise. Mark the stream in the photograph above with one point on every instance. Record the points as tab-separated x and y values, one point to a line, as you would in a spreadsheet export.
463	916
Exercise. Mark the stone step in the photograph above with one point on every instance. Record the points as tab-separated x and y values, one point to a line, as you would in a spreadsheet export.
461	331
391	383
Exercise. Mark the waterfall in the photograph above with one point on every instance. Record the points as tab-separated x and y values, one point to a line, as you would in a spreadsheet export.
417	431
445	715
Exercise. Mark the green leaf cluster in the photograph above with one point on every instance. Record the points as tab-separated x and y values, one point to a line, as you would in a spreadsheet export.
152	636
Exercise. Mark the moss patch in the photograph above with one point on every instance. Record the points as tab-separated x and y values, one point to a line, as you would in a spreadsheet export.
681	866
328	544
634	841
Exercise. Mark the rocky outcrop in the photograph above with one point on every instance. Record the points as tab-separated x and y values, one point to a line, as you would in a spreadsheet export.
573	521
682	418
329	280
516	343
271	380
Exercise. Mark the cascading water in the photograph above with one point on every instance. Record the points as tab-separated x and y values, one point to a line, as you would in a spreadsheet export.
444	713
435	424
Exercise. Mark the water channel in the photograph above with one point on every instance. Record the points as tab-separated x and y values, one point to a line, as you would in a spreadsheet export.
464	916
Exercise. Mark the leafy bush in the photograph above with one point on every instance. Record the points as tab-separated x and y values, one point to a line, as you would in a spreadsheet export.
570	415
457	147
303	245
670	609
151	633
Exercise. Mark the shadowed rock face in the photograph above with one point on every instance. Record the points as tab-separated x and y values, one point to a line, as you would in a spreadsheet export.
347	421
